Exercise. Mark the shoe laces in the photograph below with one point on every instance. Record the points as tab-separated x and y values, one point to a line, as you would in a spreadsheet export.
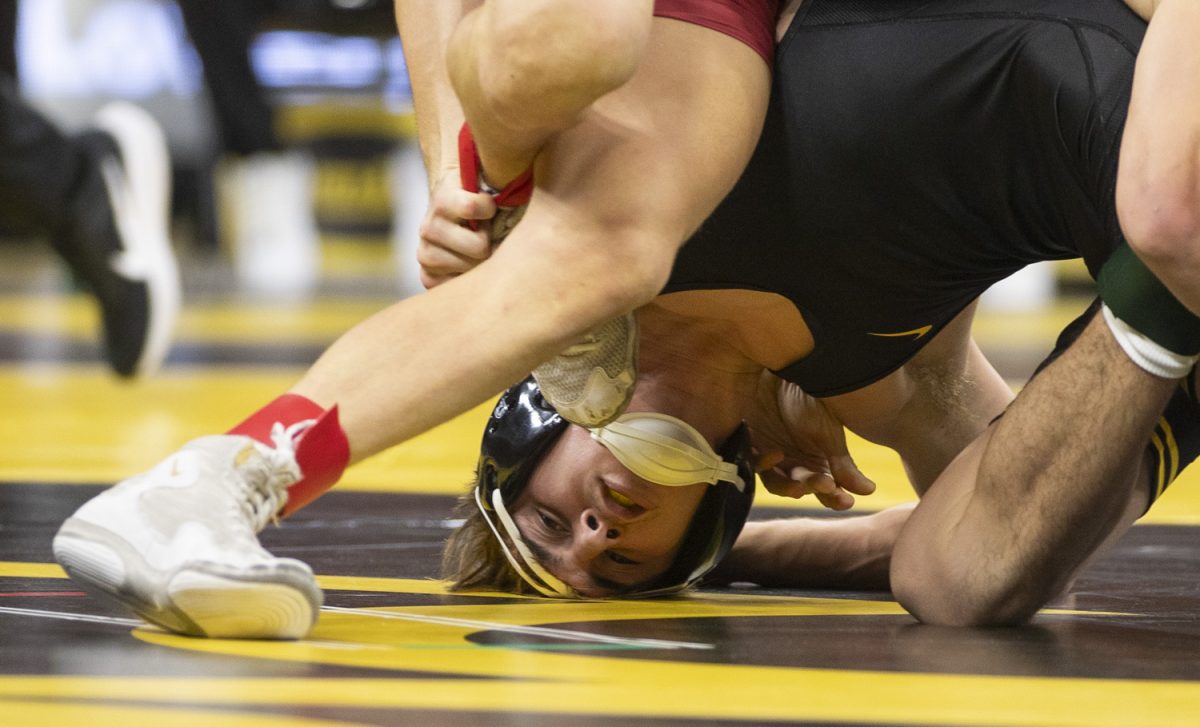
268	478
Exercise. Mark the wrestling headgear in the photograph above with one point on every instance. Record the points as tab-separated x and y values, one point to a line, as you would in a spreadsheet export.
656	447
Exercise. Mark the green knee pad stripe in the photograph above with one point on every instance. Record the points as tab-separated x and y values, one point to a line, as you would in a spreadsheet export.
1140	299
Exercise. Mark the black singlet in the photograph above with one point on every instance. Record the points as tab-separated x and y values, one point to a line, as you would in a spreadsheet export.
916	152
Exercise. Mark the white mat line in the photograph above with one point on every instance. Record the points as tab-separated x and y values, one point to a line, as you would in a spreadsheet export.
65	616
549	633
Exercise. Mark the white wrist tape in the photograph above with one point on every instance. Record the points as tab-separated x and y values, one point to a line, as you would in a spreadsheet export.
1147	354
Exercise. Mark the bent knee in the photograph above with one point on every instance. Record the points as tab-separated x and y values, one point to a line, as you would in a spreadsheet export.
955	596
644	263
561	55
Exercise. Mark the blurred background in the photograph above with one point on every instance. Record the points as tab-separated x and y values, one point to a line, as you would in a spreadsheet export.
289	123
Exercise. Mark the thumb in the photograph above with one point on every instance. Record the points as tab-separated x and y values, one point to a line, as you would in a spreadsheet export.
849	477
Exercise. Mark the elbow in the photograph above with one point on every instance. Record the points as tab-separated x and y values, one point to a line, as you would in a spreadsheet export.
1159	213
943	591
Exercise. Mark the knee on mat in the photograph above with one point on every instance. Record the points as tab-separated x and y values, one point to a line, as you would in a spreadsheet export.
963	597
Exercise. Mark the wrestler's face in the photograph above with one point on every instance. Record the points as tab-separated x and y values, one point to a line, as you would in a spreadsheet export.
595	525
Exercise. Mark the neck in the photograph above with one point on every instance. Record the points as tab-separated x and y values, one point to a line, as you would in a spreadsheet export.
700	365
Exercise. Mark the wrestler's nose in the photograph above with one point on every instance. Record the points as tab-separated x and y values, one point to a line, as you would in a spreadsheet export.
596	534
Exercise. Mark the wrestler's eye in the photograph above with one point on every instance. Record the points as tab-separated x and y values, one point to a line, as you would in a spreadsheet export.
618	558
550	523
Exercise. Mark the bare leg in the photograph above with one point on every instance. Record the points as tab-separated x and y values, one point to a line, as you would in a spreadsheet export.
525	70
1015	516
615	199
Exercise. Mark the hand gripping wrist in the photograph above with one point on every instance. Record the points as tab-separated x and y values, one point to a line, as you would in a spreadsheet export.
514	195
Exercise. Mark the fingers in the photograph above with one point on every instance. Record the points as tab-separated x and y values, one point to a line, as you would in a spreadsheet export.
847	474
448	248
796	482
766	462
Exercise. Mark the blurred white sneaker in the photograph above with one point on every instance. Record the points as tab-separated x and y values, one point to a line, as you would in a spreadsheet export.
178	544
276	248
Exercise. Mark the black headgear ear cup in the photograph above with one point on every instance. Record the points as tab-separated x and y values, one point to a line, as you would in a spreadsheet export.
519	431
719	519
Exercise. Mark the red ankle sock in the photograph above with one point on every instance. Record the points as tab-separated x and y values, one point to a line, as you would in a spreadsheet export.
322	451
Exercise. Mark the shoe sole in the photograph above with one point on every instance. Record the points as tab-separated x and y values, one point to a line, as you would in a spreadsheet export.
146	161
578	384
280	602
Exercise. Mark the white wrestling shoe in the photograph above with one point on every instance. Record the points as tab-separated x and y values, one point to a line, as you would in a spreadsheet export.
178	544
591	382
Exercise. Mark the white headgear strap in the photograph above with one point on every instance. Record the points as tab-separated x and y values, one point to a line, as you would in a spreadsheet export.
542	580
665	450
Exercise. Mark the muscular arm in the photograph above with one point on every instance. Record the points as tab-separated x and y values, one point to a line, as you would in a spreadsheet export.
1158	185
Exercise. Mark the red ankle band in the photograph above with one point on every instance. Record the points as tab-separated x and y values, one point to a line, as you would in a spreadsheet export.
515	194
322	450
286	410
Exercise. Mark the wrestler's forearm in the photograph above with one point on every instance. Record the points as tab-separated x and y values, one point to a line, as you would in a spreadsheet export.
1014	517
845	553
1158	185
425	30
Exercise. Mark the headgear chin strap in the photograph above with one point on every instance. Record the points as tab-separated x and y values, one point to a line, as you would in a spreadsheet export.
665	450
523	561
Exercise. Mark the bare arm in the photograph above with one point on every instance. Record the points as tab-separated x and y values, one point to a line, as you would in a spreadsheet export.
843	553
1158	185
